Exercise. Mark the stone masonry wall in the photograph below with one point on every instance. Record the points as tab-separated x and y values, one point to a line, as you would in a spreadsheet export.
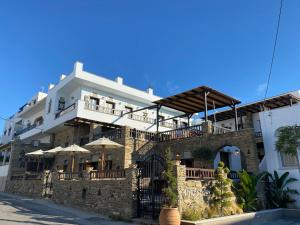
30	188
191	192
243	139
104	196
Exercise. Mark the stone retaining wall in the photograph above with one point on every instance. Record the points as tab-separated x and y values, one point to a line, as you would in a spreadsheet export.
112	196
30	188
191	192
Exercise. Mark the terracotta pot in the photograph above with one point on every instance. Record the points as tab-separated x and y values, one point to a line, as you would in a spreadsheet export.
169	216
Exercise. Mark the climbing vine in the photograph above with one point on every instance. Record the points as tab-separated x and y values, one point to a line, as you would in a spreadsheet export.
288	141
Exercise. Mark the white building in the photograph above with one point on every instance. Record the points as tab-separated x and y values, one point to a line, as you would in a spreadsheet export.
265	117
270	122
89	97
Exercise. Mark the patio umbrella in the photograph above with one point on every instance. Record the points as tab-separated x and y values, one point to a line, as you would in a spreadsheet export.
74	149
38	154
103	143
54	150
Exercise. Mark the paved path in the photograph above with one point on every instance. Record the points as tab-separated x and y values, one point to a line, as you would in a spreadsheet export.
16	210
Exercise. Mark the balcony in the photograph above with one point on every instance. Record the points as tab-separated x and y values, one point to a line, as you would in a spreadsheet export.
102	109
28	128
119	113
65	111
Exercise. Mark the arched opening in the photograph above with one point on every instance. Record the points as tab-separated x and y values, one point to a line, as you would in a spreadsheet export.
231	156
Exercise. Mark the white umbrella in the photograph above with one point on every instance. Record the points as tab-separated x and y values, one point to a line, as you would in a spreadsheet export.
74	149
54	150
103	143
38	154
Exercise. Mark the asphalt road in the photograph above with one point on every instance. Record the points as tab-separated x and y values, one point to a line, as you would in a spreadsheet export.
17	210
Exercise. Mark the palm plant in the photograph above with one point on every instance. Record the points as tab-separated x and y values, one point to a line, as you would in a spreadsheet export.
246	190
278	192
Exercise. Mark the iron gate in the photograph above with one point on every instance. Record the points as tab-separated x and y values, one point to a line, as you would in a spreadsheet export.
150	183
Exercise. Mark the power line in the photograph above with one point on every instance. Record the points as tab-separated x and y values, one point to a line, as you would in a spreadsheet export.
274	50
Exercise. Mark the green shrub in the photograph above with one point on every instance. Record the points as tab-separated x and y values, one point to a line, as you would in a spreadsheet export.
169	174
193	212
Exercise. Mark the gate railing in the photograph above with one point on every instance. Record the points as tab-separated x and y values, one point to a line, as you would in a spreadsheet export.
199	173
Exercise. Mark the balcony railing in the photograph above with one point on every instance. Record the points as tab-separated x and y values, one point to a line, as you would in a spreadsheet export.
180	133
220	130
65	111
102	109
131	116
199	173
28	128
92	175
111	134
144	135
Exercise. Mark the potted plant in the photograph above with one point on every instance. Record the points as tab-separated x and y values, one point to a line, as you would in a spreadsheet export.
169	214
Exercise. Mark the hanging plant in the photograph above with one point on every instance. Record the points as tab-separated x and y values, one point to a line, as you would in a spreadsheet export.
288	141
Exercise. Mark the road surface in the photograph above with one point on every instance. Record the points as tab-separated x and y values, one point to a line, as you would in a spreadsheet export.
16	210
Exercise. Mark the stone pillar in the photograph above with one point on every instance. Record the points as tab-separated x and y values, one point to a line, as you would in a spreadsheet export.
181	177
207	127
248	120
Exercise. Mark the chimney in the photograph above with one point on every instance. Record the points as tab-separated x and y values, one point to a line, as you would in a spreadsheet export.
119	80
62	77
50	86
78	67
150	91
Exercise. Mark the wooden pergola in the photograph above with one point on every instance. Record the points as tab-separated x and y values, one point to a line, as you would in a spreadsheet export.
200	99
259	106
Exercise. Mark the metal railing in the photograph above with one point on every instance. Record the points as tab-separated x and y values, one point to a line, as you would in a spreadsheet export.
111	134
65	111
233	175
199	173
186	132
95	174
143	135
28	128
258	134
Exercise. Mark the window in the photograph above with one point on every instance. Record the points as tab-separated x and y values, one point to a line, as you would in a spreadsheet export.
128	110
184	124
39	121
145	116
4	132
61	103
9	131
111	107
94	103
288	160
175	123
160	118
49	106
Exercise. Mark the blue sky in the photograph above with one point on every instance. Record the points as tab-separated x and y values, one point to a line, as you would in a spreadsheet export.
170	45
